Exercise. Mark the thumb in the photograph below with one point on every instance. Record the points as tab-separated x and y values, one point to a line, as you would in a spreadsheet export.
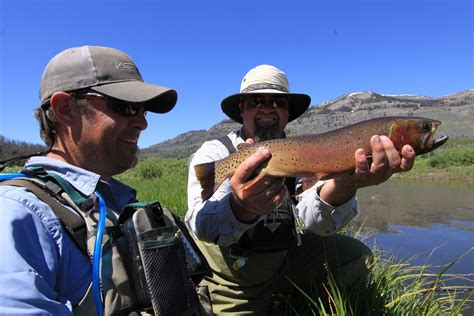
248	167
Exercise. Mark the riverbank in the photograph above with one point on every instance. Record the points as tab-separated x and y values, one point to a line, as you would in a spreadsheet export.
452	162
421	172
453	174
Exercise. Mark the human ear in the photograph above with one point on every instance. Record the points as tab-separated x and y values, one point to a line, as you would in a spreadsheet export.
64	107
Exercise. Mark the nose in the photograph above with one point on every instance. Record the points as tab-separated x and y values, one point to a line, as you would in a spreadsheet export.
267	106
140	120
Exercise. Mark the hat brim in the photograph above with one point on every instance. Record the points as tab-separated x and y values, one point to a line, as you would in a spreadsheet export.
299	103
157	99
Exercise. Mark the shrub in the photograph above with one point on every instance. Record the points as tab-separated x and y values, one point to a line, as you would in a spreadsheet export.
151	168
453	157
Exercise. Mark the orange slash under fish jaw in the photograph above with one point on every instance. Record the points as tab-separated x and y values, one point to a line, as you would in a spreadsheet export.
325	155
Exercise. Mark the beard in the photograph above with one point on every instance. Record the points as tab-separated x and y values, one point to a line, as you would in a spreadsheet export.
262	133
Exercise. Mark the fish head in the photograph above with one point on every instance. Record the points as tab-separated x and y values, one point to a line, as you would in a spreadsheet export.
417	132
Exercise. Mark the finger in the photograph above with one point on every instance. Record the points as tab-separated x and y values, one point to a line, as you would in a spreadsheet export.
408	158
273	200
261	184
393	156
247	168
276	187
280	196
379	158
250	141
362	170
361	162
393	159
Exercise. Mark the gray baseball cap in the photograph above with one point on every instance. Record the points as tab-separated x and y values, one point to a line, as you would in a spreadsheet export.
105	70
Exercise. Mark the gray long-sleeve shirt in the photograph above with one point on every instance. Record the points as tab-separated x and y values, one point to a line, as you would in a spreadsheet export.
214	221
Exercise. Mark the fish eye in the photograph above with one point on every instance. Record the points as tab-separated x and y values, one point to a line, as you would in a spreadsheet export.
426	126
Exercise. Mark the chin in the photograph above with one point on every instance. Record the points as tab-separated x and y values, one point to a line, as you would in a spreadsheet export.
126	164
267	133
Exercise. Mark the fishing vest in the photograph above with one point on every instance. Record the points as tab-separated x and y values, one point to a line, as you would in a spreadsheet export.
148	262
275	233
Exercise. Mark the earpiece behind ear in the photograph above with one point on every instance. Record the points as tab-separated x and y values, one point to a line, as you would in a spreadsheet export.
46	127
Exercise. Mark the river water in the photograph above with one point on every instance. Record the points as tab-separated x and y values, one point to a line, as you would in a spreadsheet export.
433	222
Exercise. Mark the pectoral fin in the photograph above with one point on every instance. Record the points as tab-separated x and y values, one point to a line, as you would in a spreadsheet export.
205	173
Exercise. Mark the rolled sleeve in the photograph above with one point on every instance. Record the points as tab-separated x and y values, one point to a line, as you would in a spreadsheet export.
323	218
212	220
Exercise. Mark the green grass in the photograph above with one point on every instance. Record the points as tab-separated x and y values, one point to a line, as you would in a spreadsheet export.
160	179
454	161
394	287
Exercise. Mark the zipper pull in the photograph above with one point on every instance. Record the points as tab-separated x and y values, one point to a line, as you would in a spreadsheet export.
299	224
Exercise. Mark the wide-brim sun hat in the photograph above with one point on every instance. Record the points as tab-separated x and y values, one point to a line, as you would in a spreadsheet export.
265	79
105	70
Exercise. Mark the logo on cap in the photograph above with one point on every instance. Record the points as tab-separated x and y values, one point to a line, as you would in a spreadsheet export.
125	65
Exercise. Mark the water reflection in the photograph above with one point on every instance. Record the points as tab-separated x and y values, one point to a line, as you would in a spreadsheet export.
431	223
398	202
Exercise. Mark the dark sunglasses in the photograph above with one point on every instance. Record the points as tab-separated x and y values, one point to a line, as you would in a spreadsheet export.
260	101
119	107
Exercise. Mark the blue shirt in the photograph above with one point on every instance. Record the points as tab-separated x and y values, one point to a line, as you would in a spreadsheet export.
42	271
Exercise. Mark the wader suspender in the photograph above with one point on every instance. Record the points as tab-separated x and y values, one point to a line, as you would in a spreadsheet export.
73	223
228	144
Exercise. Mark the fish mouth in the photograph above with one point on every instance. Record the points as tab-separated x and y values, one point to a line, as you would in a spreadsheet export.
427	147
439	142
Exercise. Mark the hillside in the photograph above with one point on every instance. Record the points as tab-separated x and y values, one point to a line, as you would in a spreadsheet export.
456	112
11	148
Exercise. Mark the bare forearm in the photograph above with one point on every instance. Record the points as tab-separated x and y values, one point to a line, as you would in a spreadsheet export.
337	191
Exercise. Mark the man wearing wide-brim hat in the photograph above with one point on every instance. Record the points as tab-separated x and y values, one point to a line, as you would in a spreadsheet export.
249	235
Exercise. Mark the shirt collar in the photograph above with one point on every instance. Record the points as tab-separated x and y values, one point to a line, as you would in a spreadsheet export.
83	180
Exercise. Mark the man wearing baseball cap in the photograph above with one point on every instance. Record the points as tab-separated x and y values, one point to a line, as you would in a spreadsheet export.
93	106
249	234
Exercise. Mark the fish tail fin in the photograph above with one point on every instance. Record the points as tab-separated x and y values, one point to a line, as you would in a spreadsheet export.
205	173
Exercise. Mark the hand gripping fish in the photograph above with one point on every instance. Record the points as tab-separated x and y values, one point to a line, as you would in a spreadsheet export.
324	155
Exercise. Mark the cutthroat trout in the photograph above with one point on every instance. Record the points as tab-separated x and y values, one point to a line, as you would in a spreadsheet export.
324	155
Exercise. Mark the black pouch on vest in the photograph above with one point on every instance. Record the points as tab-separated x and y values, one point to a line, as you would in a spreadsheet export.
261	239
158	260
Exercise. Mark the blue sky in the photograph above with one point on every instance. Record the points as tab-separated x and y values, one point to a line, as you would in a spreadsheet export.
203	49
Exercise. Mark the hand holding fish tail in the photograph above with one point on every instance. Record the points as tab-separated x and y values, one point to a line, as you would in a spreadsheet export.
259	196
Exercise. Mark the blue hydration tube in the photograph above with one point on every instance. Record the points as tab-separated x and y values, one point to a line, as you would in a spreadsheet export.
9	176
96	292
